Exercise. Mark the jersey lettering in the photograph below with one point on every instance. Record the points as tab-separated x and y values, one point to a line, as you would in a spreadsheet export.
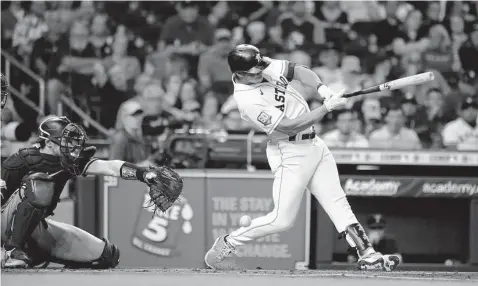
279	95
283	82
280	107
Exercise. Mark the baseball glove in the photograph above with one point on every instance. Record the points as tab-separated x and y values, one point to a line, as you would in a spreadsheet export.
165	186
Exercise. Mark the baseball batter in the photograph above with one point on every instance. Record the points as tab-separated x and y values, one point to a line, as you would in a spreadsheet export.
298	159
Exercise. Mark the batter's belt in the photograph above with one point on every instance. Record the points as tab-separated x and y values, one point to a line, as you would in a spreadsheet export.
302	136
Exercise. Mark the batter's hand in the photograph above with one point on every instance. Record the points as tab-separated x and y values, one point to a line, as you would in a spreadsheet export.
336	101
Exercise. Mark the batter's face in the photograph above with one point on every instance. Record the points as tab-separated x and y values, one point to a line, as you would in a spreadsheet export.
250	78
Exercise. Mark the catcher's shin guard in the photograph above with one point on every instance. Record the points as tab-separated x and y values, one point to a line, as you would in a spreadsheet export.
357	238
37	191
109	258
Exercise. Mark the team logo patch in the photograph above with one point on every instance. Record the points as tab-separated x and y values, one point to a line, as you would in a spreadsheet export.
264	118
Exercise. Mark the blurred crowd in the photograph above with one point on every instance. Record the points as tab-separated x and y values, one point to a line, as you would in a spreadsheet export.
144	69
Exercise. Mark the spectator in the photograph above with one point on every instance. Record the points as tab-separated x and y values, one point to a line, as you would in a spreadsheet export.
461	9
462	133
334	21
189	102
351	76
67	13
189	31
458	37
329	59
10	18
344	136
29	29
408	39
45	48
361	11
232	121
468	51
432	18
121	67
394	135
416	119
300	28
376	229
381	70
142	81
436	117
130	142
256	34
72	67
371	114
214	74
172	88
101	37
438	54
386	30
222	16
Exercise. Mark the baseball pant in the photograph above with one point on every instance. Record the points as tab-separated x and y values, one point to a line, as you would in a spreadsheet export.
298	166
56	239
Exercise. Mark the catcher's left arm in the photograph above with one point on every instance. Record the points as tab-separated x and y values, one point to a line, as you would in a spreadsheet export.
165	185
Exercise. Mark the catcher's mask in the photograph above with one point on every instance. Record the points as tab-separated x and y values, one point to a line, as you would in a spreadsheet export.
4	90
70	137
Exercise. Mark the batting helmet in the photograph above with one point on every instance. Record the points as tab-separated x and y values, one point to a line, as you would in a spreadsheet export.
71	138
245	58
4	90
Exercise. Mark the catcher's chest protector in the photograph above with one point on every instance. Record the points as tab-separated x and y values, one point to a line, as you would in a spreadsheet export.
31	160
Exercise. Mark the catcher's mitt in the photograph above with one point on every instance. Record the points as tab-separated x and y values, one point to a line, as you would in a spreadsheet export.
165	186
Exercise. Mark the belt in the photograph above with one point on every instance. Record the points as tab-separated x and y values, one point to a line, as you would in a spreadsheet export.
303	137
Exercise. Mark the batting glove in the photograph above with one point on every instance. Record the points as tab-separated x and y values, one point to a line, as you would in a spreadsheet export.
335	101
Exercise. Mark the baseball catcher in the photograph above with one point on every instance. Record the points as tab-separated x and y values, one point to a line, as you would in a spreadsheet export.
33	179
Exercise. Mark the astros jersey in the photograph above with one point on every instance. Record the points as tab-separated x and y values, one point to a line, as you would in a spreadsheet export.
265	104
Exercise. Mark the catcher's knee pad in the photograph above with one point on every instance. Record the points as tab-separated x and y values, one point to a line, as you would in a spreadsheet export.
356	237
109	259
39	189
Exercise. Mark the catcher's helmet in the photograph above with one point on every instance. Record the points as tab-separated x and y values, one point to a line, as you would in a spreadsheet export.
244	58
4	90
71	138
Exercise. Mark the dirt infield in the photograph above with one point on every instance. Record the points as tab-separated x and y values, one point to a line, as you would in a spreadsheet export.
201	277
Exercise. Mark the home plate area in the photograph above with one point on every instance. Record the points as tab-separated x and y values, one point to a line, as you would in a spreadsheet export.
202	277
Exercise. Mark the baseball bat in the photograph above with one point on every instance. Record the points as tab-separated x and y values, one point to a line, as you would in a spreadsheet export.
396	84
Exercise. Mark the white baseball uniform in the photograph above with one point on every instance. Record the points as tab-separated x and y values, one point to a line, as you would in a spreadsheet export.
296	165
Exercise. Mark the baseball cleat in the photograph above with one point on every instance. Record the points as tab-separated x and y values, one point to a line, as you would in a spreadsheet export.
17	258
391	261
372	261
221	255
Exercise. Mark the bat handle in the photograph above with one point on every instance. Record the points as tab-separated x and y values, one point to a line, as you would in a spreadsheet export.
351	94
